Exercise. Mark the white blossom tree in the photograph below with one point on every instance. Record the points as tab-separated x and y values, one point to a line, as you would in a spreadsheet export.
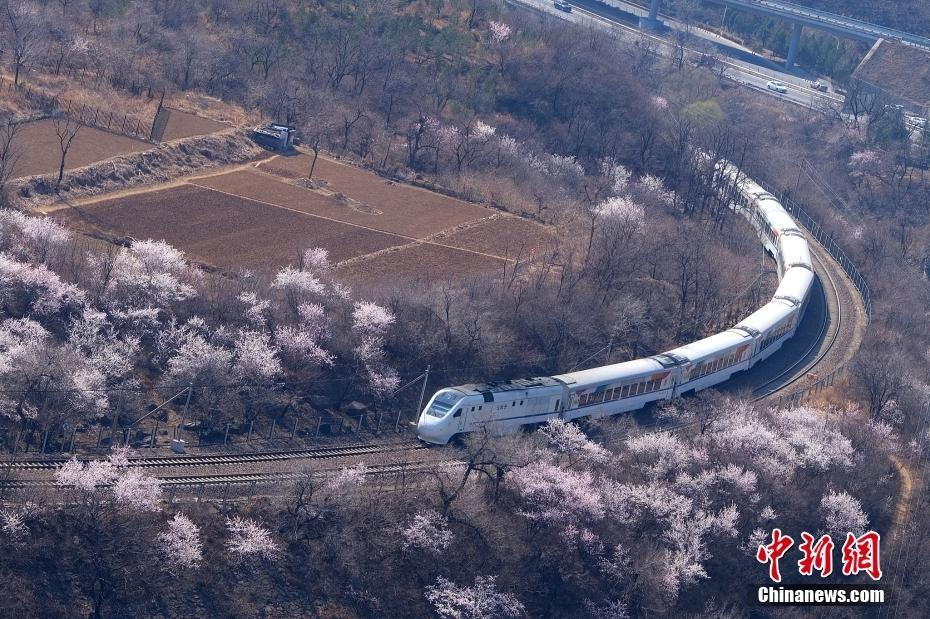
180	543
479	601
843	514
371	322
557	496
568	439
147	274
249	540
427	530
137	491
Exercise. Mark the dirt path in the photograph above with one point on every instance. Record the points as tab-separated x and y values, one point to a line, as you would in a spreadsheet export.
903	505
142	189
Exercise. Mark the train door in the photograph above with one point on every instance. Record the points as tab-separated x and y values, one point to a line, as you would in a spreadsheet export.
458	419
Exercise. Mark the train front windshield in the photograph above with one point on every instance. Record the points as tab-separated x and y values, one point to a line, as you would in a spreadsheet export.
443	402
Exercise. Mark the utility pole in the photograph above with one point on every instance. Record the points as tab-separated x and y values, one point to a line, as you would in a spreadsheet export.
423	391
190	388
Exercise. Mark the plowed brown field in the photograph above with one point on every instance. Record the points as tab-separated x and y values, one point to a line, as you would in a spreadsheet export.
185	125
223	230
419	262
246	218
39	151
405	209
507	236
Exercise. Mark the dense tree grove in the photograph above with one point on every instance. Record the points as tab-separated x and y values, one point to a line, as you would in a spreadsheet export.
656	522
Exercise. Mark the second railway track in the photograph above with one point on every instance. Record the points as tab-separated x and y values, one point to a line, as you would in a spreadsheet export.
250	458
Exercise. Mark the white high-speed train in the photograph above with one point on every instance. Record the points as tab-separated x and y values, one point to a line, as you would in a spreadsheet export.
622	387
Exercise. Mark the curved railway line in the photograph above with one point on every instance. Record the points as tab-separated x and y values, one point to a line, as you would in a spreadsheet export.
826	338
251	468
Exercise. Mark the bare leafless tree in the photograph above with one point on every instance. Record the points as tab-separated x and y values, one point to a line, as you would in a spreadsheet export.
882	372
24	33
9	152
66	129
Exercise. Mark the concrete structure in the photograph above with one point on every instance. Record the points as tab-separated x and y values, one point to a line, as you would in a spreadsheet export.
651	21
802	16
274	136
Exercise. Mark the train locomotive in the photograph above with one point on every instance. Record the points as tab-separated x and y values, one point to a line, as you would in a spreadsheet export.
503	407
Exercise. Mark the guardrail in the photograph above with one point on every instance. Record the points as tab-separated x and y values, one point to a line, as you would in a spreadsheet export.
788	10
855	276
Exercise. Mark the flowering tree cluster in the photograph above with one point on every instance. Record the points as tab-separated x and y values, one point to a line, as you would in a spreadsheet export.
371	322
479	601
427	530
180	543
74	350
249	540
688	498
128	486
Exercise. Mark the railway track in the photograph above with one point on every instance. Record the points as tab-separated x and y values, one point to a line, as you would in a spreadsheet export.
826	338
249	458
241	479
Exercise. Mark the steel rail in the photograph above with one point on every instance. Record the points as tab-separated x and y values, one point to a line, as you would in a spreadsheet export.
762	391
257	457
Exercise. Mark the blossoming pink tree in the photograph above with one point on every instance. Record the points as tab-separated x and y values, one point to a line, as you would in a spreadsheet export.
479	601
371	322
249	540
427	530
180	543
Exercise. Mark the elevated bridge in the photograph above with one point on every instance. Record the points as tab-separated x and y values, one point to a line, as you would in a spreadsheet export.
801	16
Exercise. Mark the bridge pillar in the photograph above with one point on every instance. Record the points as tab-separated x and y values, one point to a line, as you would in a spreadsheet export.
652	21
793	45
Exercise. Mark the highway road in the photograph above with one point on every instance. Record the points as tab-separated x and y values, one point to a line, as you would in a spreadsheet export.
748	74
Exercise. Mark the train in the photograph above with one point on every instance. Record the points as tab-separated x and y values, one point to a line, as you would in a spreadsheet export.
503	407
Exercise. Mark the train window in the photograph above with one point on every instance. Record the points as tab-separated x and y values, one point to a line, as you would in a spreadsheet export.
521	402
457	413
479	408
513	403
625	392
583	400
557	402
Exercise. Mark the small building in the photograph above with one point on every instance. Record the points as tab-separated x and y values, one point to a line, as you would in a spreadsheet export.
274	136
